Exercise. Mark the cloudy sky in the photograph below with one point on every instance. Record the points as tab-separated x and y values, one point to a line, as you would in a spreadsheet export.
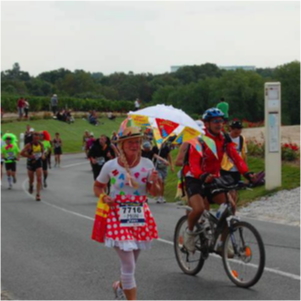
147	36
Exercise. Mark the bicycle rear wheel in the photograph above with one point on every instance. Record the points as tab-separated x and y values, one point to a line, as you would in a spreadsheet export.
247	265
189	263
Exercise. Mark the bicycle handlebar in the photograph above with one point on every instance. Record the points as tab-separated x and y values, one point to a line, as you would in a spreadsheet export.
219	184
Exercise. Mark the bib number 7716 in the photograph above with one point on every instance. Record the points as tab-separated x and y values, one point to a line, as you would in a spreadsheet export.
131	215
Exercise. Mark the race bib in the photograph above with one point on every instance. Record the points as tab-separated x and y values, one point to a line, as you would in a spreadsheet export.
100	160
131	214
37	155
10	156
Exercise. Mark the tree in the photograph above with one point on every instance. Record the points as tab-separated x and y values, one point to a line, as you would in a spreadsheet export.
289	76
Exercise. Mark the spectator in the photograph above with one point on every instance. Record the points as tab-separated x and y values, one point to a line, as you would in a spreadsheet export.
137	104
93	118
85	140
114	138
111	116
161	167
54	104
224	107
26	107
20	106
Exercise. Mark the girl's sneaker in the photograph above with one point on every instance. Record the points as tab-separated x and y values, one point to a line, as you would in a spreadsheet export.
118	291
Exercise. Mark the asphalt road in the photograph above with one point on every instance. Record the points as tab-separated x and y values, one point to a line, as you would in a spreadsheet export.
47	253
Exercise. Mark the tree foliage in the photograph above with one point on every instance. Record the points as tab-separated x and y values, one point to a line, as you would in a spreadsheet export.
191	88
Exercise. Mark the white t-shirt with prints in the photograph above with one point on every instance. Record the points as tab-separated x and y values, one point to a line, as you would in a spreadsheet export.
116	174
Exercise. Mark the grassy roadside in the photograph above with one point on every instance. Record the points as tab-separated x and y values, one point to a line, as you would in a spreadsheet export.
71	134
72	139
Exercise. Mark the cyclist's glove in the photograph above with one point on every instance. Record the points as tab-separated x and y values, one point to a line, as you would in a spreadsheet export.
204	176
248	175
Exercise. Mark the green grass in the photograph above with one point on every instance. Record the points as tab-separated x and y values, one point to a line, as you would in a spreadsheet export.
71	134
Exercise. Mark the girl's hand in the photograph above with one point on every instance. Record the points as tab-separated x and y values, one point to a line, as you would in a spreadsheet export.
108	200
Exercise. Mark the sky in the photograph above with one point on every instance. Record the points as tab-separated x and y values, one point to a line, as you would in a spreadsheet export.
151	36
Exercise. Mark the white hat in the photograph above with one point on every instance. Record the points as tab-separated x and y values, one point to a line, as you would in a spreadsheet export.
31	130
91	134
54	95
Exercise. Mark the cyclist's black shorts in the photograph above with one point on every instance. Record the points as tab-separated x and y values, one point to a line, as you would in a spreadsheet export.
235	175
33	165
10	166
194	186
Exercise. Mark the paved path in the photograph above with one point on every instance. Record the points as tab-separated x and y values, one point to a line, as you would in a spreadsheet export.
47	253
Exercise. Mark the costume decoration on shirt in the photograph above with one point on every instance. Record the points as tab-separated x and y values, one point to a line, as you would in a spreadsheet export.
144	180
115	172
211	144
136	192
8	146
122	193
113	180
121	177
137	174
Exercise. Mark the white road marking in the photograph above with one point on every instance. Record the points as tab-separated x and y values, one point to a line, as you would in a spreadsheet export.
75	164
266	269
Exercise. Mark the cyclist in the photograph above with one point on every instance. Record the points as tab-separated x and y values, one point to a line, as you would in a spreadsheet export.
203	167
57	143
34	152
44	139
10	153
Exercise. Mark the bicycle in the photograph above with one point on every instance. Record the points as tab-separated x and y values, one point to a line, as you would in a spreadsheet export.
245	263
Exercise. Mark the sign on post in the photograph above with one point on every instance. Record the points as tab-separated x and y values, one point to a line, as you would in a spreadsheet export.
272	93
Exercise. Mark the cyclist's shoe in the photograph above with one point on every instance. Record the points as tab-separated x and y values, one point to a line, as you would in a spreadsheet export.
219	251
189	241
38	197
30	190
118	291
14	180
161	200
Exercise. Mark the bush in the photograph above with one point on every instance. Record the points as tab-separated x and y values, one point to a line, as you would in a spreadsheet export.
47	115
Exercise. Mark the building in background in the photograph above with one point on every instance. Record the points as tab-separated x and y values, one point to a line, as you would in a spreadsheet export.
175	68
247	68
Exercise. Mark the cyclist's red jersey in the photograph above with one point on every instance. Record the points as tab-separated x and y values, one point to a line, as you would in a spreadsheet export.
206	162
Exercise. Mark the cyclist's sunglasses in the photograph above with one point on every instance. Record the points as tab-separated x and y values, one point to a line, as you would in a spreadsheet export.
217	121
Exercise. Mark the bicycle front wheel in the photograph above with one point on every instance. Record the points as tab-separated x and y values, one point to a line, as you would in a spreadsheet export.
190	263
244	255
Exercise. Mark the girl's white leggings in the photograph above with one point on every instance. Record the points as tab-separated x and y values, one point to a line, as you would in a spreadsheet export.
128	261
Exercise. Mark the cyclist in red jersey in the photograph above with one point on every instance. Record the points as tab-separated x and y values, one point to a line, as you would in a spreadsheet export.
202	167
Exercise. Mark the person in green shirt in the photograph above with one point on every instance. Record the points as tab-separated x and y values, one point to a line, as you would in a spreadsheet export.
224	107
47	150
10	153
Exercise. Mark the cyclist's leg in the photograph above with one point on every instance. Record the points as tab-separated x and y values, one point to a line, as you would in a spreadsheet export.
197	203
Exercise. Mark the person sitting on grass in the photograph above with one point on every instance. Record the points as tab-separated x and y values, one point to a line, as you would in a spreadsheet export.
111	116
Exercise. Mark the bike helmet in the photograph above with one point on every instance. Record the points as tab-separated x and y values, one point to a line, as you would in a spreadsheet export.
236	124
212	113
